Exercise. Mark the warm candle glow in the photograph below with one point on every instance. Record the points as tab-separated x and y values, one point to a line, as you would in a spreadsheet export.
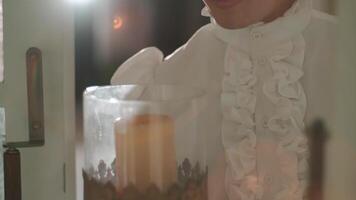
145	152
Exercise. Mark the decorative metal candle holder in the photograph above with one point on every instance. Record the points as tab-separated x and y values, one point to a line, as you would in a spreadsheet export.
141	142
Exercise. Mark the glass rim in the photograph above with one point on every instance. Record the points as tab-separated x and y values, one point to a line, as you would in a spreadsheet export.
89	92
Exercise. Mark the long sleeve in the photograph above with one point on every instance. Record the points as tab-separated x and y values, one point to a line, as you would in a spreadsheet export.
139	69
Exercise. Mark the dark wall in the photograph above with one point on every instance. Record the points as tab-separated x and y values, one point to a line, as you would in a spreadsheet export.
166	24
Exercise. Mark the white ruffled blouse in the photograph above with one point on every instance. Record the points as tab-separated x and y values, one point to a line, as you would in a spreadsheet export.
265	83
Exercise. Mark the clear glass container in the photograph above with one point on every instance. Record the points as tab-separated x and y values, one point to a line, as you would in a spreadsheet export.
144	142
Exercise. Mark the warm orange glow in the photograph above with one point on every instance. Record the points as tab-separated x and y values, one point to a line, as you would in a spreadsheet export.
252	183
117	23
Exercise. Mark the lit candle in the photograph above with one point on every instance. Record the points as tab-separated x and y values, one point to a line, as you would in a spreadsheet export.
145	152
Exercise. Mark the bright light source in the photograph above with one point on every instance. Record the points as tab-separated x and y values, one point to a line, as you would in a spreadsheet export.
79	2
117	23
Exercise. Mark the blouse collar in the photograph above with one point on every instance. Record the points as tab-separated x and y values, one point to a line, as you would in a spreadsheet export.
293	22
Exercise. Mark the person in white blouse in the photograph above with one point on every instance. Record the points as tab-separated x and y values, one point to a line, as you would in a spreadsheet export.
267	67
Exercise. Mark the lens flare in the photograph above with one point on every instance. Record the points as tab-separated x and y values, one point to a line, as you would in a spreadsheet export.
118	22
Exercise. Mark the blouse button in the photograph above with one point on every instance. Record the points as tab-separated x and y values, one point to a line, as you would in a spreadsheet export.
261	61
265	123
269	179
256	35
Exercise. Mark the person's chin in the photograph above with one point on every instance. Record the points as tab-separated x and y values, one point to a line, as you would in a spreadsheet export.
225	4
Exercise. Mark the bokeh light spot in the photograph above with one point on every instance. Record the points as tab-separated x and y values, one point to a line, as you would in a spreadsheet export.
118	22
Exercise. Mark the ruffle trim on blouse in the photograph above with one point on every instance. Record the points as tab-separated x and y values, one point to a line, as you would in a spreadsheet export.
285	54
238	129
238	99
285	91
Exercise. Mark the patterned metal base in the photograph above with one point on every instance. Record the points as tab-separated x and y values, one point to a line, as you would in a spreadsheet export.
192	185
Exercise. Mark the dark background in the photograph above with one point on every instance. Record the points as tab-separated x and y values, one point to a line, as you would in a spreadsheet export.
100	49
